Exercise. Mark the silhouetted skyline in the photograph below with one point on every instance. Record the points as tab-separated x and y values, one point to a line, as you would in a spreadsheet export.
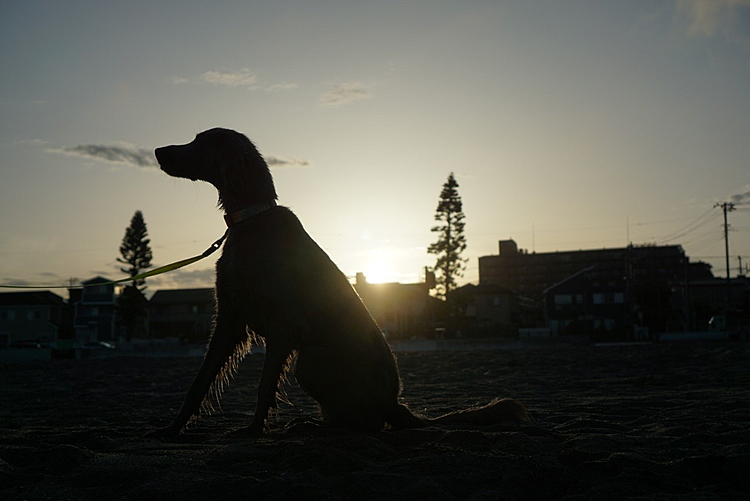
567	126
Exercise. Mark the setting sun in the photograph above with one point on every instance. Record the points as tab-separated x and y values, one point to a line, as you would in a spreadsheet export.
378	271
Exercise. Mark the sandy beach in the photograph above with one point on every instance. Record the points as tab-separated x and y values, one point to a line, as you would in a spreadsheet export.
662	421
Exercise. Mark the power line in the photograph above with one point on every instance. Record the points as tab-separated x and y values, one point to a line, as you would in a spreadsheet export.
691	227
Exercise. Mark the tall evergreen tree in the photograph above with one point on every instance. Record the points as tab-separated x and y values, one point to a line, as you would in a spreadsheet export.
451	240
136	255
135	251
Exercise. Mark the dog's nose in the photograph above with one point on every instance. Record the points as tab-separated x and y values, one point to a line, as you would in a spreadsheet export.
159	152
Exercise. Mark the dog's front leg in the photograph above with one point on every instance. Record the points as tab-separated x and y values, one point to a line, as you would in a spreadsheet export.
273	366
223	344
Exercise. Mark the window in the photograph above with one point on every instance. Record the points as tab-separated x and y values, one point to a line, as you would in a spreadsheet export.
619	297
598	298
94	311
563	299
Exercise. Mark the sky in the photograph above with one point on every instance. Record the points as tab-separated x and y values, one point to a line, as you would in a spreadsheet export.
568	125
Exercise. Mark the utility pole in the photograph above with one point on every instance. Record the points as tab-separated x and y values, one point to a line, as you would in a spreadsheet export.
726	207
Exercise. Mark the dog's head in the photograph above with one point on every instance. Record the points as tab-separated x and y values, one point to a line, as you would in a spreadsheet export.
226	159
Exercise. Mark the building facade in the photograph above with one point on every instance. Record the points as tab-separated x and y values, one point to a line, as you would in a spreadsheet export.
186	314
402	311
653	281
94	311
30	317
489	310
532	273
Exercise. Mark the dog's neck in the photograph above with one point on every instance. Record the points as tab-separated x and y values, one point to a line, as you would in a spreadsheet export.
241	215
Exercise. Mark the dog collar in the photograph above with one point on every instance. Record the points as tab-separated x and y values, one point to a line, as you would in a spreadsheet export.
248	212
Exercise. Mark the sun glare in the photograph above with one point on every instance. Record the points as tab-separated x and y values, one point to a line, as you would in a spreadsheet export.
377	271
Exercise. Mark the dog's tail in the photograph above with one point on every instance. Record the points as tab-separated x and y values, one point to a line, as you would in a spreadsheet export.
505	410
499	410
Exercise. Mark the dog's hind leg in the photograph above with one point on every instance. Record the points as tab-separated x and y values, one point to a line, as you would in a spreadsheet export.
228	344
274	365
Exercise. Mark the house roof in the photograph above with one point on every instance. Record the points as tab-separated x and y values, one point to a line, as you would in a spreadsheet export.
35	298
96	280
171	296
485	288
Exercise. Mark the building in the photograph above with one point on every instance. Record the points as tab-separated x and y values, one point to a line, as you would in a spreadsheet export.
401	310
182	313
94	311
30	317
585	304
716	296
532	273
489	310
654	277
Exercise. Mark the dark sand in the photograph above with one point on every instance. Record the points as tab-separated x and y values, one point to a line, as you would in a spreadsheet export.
669	421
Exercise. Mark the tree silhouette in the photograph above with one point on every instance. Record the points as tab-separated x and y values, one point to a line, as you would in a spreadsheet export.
451	240
135	250
136	254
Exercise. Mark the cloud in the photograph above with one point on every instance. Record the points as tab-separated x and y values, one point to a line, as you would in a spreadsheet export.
122	153
707	17
241	78
741	198
15	281
238	78
273	161
344	93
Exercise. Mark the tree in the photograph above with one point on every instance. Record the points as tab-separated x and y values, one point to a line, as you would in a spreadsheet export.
135	250
451	240
136	255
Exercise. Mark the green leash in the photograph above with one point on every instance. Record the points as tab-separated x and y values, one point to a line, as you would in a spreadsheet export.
156	271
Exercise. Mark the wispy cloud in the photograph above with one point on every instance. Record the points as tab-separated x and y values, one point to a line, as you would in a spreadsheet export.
280	86
741	198
122	153
709	17
242	78
273	161
344	93
237	78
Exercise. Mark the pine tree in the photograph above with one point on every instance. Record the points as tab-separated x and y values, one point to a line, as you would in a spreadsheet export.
135	250
136	254
451	240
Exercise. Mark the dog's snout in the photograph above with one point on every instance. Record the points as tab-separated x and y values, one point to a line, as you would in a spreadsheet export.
161	154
